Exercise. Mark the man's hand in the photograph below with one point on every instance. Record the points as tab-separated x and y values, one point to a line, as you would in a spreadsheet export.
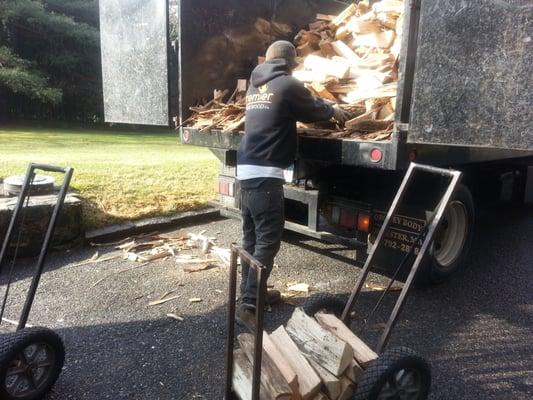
340	115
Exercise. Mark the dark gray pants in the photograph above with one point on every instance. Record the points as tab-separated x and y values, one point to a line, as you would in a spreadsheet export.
263	219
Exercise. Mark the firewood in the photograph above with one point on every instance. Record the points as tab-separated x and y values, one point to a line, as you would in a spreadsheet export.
363	354
363	6
352	9
327	48
324	17
360	25
393	7
363	117
326	66
347	389
242	377
308	380
318	26
318	343
343	50
332	384
386	113
309	76
281	363
354	372
322	91
380	39
272	380
342	33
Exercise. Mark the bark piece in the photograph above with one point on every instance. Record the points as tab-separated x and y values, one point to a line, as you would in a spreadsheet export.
318	343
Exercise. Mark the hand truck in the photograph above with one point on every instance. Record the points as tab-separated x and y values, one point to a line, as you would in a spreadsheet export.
31	359
397	373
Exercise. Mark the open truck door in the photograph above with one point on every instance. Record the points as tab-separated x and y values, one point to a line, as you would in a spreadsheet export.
135	58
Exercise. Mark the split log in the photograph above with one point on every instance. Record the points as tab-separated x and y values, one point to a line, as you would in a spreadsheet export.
319	344
369	115
308	380
332	384
281	363
322	91
326	66
343	50
363	354
382	40
354	372
347	389
242	377
363	25
343	16
309	76
393	7
272	380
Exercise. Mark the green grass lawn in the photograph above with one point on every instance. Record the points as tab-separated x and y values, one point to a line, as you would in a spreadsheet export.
119	175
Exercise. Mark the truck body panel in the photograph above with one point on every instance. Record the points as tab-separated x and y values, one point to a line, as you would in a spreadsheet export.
472	82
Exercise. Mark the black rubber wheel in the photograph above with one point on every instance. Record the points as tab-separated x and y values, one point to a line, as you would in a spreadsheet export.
453	239
399	373
30	363
325	302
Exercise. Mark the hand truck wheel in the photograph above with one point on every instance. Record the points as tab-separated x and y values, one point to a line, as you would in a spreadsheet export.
324	302
399	373
30	363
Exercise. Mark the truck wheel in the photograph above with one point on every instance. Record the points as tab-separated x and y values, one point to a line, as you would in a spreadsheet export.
325	302
30	363
452	241
398	373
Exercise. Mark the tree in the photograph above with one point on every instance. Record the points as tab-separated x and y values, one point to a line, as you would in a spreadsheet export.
50	60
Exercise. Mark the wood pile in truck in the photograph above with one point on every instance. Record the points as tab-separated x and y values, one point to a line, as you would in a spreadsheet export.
311	359
351	59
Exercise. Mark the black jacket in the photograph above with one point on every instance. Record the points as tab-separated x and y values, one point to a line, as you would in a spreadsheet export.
274	102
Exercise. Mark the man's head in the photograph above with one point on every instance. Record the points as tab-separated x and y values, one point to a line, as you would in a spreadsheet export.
282	50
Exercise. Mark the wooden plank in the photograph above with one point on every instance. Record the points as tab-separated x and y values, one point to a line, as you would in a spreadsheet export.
319	344
281	363
242	377
308	380
327	67
272	380
363	354
347	389
332	384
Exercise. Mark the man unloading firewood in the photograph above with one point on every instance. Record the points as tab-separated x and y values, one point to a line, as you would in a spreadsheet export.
275	101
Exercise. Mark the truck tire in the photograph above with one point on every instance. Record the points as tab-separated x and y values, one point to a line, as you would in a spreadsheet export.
325	302
396	374
453	239
30	363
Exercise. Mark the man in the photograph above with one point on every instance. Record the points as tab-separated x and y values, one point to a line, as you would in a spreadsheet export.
275	101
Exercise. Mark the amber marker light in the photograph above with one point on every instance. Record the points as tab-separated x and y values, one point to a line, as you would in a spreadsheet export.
363	223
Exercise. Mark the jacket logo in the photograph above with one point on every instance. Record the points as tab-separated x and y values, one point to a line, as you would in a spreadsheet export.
263	89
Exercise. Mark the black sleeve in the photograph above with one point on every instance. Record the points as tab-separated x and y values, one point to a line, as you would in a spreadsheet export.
305	107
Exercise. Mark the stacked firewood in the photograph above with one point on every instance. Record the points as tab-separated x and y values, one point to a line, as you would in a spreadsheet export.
351	59
311	359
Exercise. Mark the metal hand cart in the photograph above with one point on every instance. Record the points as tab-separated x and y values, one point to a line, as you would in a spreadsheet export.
31	359
398	373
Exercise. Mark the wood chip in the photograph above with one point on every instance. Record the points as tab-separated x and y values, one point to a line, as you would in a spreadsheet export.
176	317
195	300
163	301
